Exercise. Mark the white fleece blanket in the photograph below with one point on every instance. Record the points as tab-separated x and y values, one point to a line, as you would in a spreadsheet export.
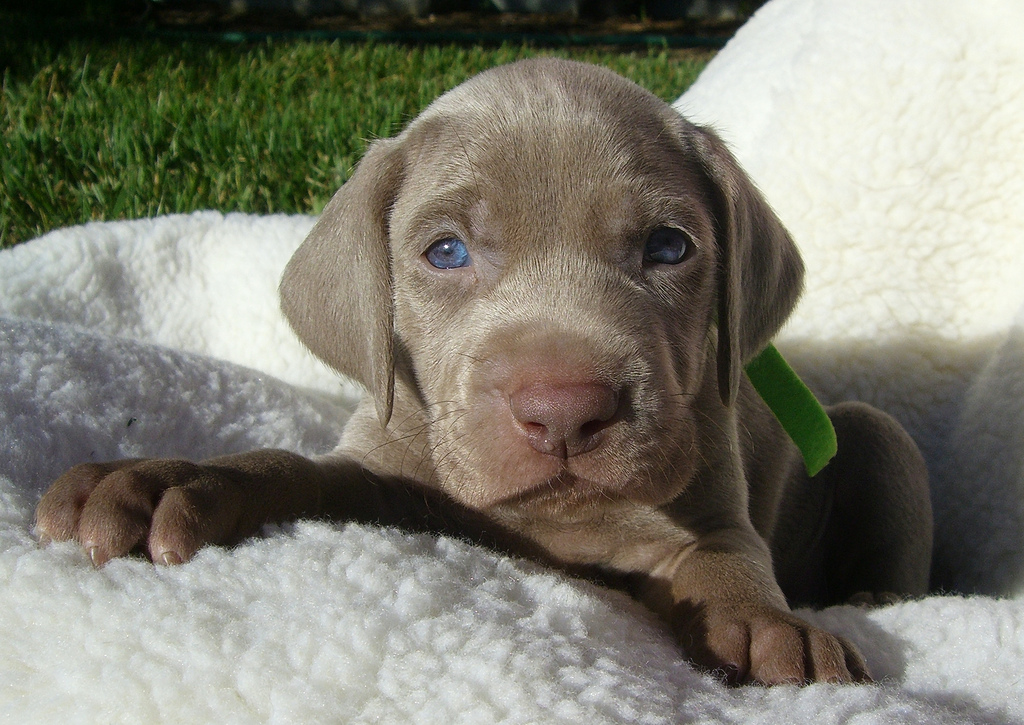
890	137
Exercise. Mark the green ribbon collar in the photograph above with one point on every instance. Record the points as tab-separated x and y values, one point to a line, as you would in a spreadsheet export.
795	407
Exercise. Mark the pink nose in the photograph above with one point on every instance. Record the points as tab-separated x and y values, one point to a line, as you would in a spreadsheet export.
564	420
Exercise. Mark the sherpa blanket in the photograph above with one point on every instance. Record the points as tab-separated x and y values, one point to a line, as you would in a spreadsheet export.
890	137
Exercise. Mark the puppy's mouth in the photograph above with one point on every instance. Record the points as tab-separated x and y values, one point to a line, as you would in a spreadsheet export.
563	490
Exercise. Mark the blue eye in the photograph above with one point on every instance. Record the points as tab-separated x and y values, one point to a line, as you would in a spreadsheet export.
450	253
667	245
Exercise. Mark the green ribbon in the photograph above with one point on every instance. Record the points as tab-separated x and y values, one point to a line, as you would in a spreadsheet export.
795	407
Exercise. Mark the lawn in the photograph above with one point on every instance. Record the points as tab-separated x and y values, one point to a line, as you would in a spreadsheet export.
126	128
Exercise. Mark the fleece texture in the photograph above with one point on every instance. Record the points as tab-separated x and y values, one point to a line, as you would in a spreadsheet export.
890	138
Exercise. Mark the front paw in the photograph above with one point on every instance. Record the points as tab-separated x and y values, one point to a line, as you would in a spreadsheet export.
764	645
169	508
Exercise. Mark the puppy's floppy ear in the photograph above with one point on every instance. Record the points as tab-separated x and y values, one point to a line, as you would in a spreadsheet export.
337	288
760	272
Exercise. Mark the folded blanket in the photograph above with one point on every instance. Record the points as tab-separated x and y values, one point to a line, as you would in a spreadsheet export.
162	337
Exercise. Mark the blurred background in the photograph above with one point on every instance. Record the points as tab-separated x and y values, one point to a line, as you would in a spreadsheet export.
696	21
121	109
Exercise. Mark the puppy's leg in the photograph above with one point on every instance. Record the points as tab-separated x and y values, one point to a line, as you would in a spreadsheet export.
732	619
171	508
863	526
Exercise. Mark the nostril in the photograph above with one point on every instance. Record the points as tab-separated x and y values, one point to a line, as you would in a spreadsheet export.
564	420
533	428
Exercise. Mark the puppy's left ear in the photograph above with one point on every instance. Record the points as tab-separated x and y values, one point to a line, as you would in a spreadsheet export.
760	272
337	288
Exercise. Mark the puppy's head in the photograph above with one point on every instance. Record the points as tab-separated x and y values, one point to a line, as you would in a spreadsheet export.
557	267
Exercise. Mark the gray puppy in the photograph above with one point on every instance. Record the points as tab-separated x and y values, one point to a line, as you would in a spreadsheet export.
549	284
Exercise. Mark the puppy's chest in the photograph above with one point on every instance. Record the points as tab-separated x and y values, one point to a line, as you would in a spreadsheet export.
626	539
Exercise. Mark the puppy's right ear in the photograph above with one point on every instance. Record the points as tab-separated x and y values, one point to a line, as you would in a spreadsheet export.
337	288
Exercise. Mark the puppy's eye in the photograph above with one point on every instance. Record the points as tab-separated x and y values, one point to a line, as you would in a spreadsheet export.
667	245
450	253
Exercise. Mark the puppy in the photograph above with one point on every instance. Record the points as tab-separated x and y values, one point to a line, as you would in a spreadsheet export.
549	284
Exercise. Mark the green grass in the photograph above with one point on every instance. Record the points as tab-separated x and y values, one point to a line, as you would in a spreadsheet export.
101	130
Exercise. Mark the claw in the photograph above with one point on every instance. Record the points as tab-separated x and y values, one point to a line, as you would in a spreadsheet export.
96	557
170	558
